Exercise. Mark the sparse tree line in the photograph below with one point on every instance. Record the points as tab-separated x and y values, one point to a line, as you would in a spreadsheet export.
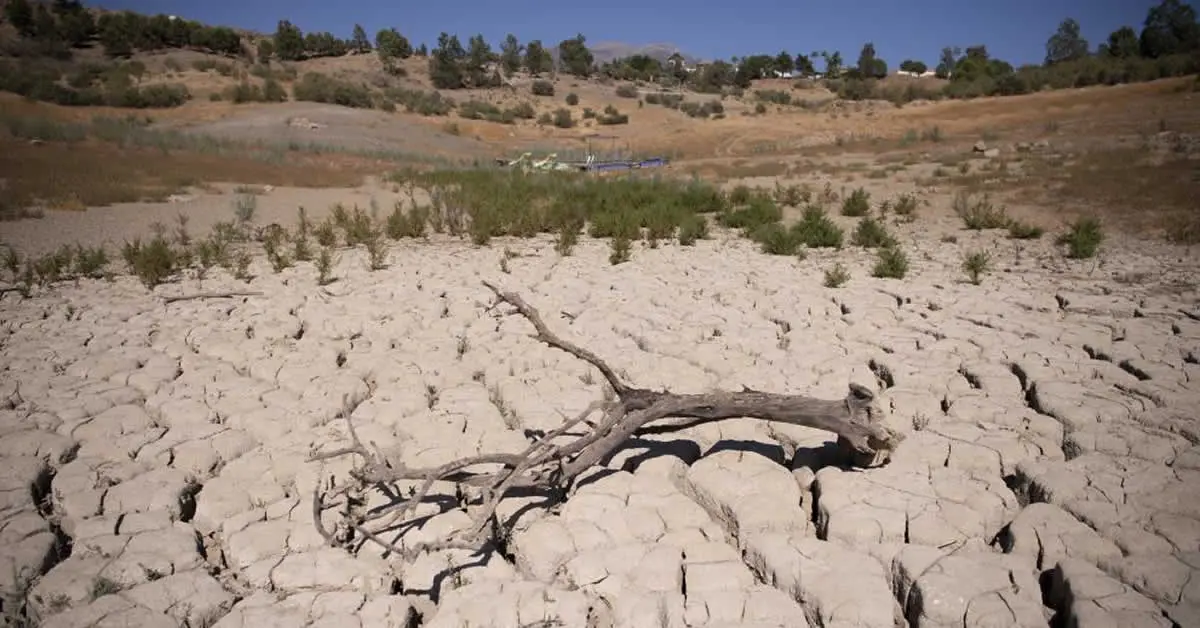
1168	45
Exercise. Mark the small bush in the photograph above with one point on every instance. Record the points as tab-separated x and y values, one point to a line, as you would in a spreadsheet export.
153	262
620	254
1018	230
324	265
871	233
740	195
314	87
892	264
817	230
1083	238
572	99
627	91
542	88
978	213
760	210
837	276
612	117
410	224
377	250
693	227
906	206
776	96
563	119
976	264
775	239
858	203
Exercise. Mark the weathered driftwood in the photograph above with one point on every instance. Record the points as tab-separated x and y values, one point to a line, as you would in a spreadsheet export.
554	461
211	295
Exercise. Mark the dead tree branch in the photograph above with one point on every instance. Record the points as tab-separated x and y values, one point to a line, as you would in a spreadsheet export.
211	295
554	461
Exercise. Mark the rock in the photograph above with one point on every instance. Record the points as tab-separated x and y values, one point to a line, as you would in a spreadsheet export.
970	589
979	146
1048	534
1086	597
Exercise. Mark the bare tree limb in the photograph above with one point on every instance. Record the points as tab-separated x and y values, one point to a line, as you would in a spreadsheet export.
211	295
553	461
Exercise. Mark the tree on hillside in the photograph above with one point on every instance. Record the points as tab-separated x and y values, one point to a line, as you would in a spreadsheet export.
359	40
479	57
574	57
676	67
75	23
391	45
20	15
537	58
289	41
833	63
510	55
45	27
1066	44
751	68
1121	44
264	49
784	63
713	77
946	62
804	65
914	66
117	33
446	61
869	64
976	64
1170	28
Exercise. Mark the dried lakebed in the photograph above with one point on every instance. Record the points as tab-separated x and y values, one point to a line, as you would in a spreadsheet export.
157	467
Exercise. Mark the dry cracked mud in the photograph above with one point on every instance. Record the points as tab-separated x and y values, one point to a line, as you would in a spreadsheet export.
157	474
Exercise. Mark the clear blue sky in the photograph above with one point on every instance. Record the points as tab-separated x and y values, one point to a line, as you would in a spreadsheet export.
1015	31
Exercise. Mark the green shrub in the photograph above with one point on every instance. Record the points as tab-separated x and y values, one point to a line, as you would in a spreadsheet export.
693	228
612	117
420	102
775	239
837	276
776	96
410	224
858	203
620	250
153	262
871	233
572	99
816	230
906	206
1083	238
1018	230
563	119
891	264
976	264
542	88
627	91
760	210
314	87
978	213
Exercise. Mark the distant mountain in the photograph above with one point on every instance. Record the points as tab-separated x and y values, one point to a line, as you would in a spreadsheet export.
605	51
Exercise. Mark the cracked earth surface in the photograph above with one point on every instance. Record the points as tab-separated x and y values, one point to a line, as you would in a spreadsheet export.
156	468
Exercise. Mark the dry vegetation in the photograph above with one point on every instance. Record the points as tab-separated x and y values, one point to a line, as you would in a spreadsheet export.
1125	155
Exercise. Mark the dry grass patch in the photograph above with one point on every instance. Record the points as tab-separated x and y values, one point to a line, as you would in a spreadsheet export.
88	174
743	169
1131	189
